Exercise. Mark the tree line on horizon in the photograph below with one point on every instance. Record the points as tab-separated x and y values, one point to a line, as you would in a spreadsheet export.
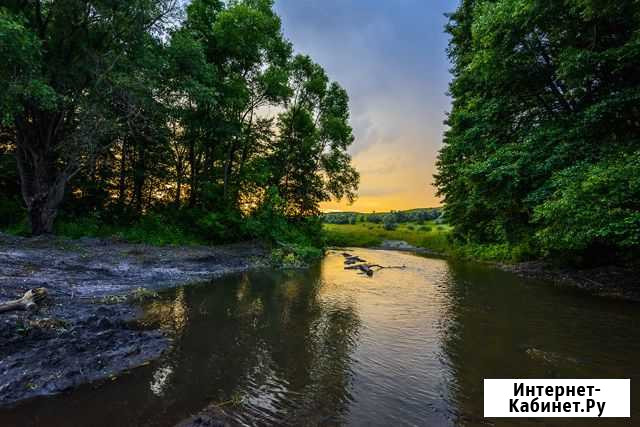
119	109
542	152
418	215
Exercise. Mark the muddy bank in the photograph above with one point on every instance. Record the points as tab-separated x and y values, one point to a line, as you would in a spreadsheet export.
87	330
607	281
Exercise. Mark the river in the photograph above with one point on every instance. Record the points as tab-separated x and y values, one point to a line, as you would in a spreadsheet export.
328	346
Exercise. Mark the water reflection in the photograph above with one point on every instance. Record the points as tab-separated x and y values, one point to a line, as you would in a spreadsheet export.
268	343
170	313
498	326
327	346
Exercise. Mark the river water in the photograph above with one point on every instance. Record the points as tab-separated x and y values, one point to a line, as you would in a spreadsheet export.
328	346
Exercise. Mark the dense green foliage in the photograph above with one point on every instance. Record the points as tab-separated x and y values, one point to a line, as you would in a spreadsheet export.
143	118
542	152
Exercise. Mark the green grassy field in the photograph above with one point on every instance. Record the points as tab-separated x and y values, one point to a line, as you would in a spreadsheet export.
366	234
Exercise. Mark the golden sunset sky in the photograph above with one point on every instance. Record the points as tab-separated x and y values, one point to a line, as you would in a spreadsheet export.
391	58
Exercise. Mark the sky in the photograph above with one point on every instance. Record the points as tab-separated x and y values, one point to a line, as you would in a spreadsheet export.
390	57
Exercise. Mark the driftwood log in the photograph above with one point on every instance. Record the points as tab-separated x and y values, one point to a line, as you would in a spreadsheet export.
29	301
353	260
368	269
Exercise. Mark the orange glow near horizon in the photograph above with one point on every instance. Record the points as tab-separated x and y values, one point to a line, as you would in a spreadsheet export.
392	179
391	58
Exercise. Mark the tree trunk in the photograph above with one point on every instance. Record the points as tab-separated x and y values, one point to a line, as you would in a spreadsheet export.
41	218
194	174
179	187
238	181
41	182
228	167
140	176
123	173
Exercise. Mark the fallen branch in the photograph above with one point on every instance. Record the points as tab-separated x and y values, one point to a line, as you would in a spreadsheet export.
353	260
29	301
368	269
387	266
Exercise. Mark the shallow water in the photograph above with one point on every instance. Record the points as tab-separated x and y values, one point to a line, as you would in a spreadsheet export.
327	346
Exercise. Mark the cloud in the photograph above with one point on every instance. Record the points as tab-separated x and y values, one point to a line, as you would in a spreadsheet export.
390	56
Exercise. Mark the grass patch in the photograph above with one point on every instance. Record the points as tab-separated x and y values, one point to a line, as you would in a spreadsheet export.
427	235
365	234
150	229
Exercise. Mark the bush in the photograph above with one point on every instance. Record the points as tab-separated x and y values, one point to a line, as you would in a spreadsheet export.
156	229
389	222
212	226
501	252
12	212
21	228
80	227
294	256
593	207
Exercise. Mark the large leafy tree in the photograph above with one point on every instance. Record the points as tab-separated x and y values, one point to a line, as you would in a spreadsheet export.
544	94
237	150
60	84
143	107
310	163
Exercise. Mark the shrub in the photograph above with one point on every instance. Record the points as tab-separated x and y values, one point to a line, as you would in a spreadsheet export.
79	227
593	206
294	256
11	212
389	222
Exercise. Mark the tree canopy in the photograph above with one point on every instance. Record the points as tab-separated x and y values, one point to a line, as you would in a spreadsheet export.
543	139
131	106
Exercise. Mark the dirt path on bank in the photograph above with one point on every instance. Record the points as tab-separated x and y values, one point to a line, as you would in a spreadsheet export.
87	332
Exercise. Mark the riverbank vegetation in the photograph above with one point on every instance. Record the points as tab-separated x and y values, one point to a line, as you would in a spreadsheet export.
153	122
424	235
541	156
422	228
